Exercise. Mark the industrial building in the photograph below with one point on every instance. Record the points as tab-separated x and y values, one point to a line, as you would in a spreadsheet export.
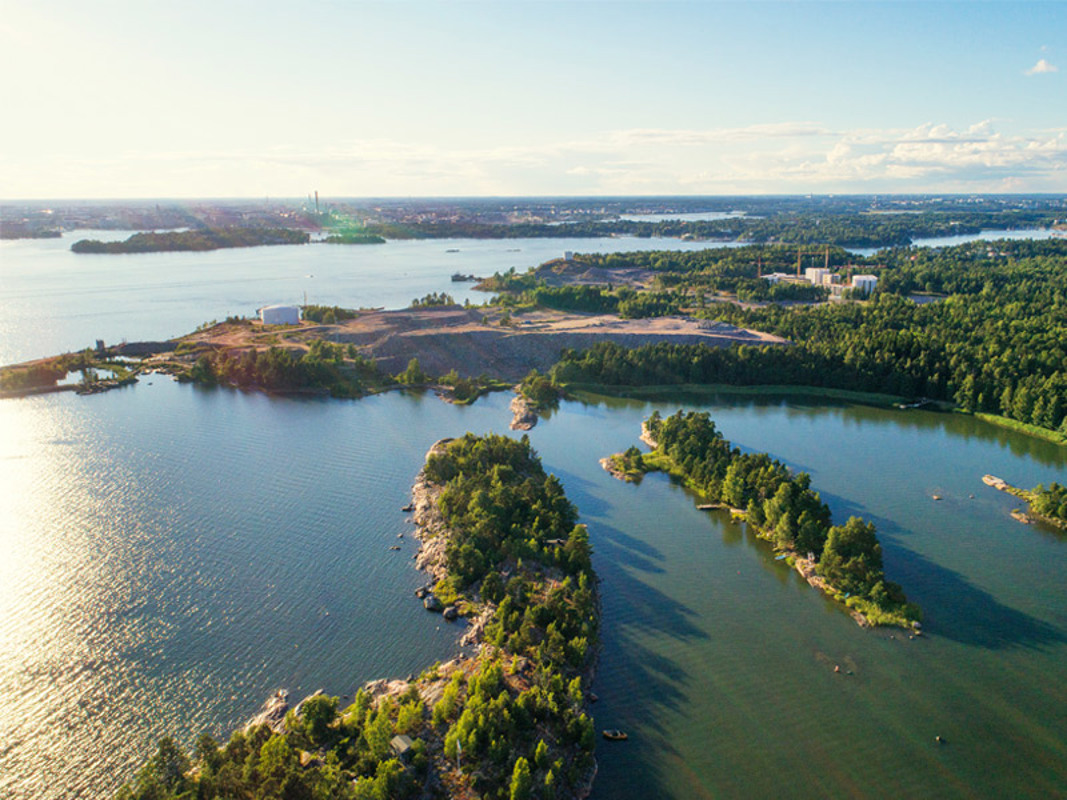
280	315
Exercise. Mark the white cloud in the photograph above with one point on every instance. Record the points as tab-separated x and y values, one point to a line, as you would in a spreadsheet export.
789	156
1042	66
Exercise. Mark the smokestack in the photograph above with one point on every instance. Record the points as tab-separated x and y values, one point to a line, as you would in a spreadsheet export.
316	201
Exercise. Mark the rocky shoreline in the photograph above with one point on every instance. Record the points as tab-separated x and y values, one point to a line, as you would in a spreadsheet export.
524	414
1029	516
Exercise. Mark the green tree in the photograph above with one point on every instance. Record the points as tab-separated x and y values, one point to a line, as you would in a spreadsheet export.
521	780
852	557
319	713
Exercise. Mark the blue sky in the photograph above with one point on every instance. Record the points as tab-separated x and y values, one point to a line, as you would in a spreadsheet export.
200	99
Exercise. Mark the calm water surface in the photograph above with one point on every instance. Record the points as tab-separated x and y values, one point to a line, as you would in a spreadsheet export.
54	301
175	554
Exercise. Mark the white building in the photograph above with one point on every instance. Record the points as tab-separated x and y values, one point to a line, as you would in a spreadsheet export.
820	276
864	283
774	277
280	315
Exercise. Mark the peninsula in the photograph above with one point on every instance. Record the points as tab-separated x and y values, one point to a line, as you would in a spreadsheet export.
507	718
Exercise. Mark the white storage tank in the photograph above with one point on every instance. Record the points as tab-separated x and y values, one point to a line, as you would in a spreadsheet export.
280	315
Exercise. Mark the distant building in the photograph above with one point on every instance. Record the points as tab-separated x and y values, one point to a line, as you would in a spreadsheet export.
280	315
864	283
774	277
567	255
819	276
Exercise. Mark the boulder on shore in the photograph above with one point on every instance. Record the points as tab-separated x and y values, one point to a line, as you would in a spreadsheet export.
273	712
431	603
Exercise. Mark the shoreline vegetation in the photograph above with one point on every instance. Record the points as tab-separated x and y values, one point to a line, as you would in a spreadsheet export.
844	562
1044	504
507	718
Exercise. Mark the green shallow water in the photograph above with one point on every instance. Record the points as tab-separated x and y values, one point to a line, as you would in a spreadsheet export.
719	661
175	554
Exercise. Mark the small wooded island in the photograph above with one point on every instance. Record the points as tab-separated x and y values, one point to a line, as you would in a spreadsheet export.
843	561
506	552
198	239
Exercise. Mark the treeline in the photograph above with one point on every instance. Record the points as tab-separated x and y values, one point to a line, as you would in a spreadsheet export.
327	367
433	299
198	239
328	315
353	238
758	290
841	228
785	509
993	340
626	302
997	343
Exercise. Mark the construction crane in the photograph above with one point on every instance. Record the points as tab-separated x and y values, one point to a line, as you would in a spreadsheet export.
801	252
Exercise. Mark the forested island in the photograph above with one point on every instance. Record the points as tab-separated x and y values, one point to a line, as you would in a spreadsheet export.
844	561
507	553
346	237
198	239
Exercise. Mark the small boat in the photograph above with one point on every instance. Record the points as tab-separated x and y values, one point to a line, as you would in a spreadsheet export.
781	557
615	735
408	508
394	547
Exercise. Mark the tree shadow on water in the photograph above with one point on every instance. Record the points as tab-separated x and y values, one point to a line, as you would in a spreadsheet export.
953	607
958	610
637	677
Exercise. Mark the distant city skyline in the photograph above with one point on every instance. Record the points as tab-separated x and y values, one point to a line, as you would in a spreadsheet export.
240	99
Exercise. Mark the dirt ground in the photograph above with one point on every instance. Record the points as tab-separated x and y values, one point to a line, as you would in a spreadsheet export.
478	340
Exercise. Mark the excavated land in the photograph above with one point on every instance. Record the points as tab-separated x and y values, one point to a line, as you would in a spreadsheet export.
476	341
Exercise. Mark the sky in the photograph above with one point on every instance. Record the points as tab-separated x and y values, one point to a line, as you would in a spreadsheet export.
353	98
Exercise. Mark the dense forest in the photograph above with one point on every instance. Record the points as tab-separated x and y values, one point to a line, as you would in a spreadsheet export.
781	507
513	717
846	229
990	335
196	239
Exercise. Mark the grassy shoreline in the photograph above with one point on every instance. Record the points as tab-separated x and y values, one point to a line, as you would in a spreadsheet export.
1020	427
657	391
654	392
